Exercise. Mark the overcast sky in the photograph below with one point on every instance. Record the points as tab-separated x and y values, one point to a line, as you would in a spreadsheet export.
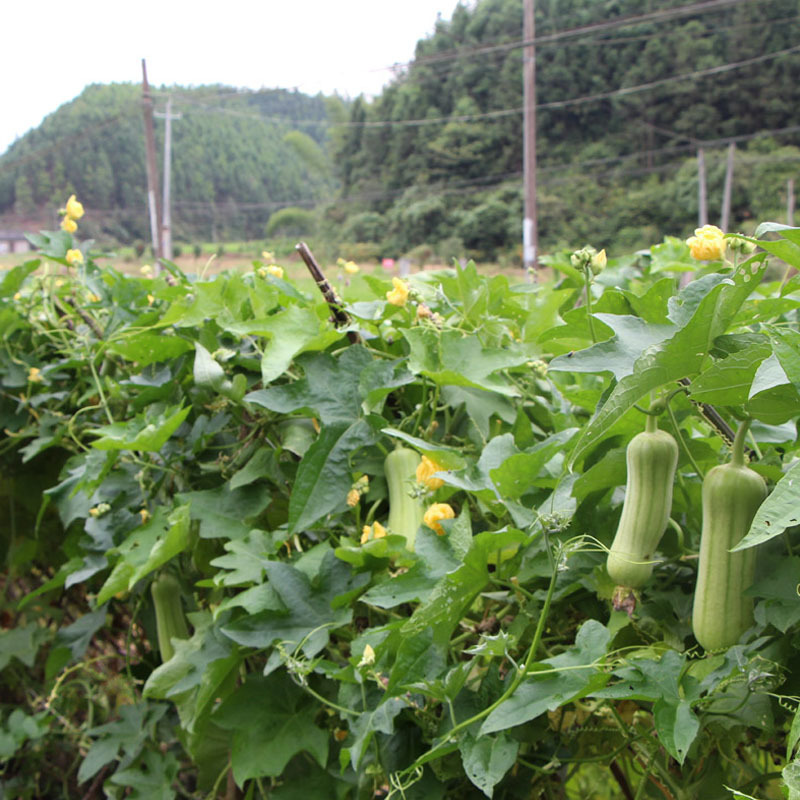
52	50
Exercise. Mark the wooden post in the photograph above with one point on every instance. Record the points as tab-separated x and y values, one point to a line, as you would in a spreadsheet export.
530	232
702	205
724	219
152	170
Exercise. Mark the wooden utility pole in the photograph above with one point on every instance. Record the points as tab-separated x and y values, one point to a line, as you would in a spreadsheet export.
152	171
530	229
166	216
702	204
790	202
728	189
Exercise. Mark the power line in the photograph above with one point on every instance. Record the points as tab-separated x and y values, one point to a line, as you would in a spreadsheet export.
692	9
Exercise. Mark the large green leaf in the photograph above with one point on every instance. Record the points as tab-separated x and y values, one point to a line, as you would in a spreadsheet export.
487	759
330	388
781	510
146	549
311	609
142	433
325	473
701	312
566	677
271	720
452	358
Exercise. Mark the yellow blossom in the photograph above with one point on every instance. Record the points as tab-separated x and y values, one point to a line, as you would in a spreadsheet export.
353	496
267	256
74	257
275	271
351	268
399	294
367	657
150	299
34	375
74	208
94	512
340	262
707	244
146	270
425	471
93	298
144	514
599	261
374	531
18	296
69	225
436	512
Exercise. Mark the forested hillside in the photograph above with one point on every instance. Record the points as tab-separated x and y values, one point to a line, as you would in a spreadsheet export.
627	92
621	108
236	157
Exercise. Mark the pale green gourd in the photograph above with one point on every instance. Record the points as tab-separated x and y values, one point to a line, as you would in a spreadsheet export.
652	458
170	619
732	494
405	511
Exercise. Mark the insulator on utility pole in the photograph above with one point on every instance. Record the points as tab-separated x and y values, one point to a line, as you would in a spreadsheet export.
530	232
152	171
166	216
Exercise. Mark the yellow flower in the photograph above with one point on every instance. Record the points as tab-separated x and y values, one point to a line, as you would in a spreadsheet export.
150	299
374	531
353	496
69	225
599	261
18	296
436	512
707	244
33	375
94	512
399	295
144	514
267	256
275	271
93	298
367	657
146	270
340	262
425	471
74	257
351	268
74	208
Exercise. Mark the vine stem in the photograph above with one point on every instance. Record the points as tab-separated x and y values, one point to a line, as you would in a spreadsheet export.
587	280
737	450
518	678
680	438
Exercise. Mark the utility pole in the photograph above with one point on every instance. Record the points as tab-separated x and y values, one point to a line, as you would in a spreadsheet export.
728	189
152	172
530	231
702	205
166	217
790	202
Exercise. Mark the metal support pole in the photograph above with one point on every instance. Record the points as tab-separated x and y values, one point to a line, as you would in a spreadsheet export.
166	224
530	232
152	171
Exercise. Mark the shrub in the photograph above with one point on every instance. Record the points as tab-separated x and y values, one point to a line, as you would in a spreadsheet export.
291	221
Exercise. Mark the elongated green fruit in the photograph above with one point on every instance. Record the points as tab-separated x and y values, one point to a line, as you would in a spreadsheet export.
170	620
405	512
652	457
732	493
